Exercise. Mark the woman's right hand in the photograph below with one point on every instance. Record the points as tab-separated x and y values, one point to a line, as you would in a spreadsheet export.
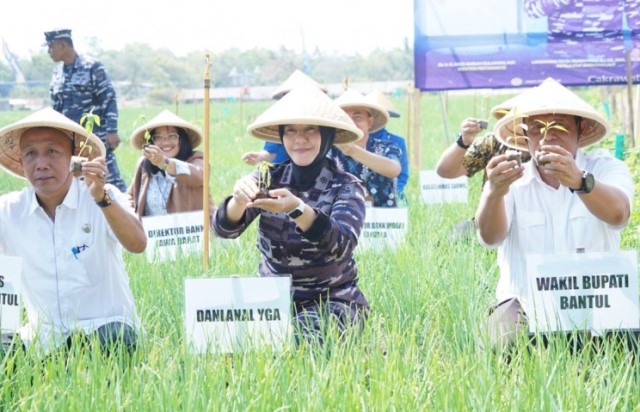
245	190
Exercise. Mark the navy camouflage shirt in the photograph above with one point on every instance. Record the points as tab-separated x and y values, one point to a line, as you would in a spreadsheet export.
320	260
77	88
382	189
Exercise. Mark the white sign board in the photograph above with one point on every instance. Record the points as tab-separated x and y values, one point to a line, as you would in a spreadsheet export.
583	291
173	234
236	314
436	189
383	227
10	287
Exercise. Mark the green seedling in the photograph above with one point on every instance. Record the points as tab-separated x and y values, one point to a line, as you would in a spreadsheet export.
88	120
543	130
264	179
147	135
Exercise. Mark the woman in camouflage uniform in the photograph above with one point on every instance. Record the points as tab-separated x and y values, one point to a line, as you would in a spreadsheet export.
311	213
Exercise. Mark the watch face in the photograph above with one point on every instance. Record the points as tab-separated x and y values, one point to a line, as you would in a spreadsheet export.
589	181
295	213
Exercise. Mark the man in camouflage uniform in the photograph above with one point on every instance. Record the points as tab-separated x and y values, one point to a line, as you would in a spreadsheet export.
311	216
81	85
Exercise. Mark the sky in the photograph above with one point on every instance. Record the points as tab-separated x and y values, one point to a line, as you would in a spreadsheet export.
343	26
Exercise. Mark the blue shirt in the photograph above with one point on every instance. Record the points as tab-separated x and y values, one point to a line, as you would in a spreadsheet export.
381	188
403	177
278	150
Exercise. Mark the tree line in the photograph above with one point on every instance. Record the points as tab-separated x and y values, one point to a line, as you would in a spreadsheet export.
140	70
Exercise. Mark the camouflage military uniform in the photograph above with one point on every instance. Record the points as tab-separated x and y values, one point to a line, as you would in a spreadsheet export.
382	189
481	151
84	85
320	260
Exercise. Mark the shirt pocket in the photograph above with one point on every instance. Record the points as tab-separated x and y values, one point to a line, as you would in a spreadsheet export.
583	227
531	232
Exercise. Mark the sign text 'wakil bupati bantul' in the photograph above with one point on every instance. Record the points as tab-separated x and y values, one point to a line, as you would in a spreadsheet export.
585	291
598	284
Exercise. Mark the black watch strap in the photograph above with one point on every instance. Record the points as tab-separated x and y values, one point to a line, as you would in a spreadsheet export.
587	184
460	142
106	200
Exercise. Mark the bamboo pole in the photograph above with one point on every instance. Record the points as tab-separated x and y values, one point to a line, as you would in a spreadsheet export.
417	94
632	133
637	116
205	186
409	117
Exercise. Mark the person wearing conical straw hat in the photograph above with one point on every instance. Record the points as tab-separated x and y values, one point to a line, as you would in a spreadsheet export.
69	233
375	162
563	200
383	134
310	212
470	154
169	175
274	152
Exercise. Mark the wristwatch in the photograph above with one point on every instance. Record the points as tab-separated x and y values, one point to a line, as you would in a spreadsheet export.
460	142
587	184
106	200
165	164
298	211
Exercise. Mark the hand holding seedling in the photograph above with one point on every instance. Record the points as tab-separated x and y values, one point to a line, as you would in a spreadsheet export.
501	173
95	174
558	163
279	201
154	154
245	190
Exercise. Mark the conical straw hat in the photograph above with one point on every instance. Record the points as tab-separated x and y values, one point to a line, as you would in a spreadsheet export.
378	97
550	97
500	110
10	138
166	118
352	98
295	79
305	104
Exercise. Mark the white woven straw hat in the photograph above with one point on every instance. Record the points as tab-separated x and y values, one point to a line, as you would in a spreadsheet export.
305	104
378	97
352	98
10	135
295	79
550	97
166	118
500	110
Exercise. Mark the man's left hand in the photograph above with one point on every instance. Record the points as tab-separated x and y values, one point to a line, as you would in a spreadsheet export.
113	140
95	175
560	164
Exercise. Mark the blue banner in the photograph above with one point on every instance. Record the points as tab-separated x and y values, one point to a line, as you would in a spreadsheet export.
468	44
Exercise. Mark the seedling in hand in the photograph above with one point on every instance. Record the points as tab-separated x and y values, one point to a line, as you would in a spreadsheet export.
543	129
264	179
87	120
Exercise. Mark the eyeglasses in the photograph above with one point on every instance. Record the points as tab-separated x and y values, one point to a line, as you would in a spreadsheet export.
307	132
171	137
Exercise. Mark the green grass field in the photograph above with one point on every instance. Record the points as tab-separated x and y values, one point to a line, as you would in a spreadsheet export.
421	349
